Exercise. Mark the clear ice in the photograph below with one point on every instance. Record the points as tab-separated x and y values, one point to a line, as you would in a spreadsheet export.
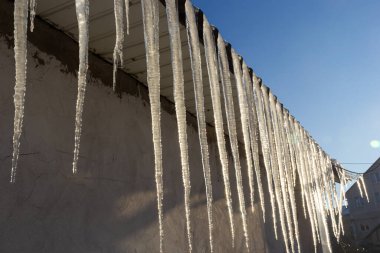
179	99
196	65
20	49
82	11
151	34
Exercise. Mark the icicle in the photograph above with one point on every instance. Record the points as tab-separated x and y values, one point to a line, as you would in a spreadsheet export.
218	118
179	99
254	133
251	140
195	56
151	25
32	14
361	179
289	181
341	175
258	138
360	188
290	146
294	138
231	123
82	10
126	3
329	191
321	204
275	164
243	108
118	49
265	146
281	170
305	178
312	187
20	49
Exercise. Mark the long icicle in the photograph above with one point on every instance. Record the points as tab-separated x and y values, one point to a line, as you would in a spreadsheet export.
20	49
293	139
317	182
82	11
195	56
329	178
280	175
246	111
255	134
275	164
218	117
243	108
310	183
265	147
179	99
289	182
32	14
151	25
231	124
303	175
118	49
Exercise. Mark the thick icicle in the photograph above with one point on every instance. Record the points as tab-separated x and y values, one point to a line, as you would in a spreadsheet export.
179	99
311	186
254	133
252	140
126	3
151	25
212	69
265	146
118	49
293	140
304	177
195	56
243	108
317	178
82	10
280	175
289	182
275	164
32	14
20	49
328	189
231	124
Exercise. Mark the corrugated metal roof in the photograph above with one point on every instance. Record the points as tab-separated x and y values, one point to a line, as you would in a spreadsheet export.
61	13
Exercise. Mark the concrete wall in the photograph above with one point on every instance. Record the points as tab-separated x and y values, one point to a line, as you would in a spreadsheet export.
109	206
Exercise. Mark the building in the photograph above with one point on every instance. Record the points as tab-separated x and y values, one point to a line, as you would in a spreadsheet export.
110	205
362	219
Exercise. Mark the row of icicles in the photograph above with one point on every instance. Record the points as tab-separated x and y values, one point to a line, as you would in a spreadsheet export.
289	154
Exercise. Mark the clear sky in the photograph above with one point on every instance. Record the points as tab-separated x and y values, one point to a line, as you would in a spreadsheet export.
322	60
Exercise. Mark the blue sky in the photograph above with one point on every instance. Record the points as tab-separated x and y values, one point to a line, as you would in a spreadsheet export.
322	60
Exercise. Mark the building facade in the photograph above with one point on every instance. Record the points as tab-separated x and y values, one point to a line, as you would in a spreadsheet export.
362	218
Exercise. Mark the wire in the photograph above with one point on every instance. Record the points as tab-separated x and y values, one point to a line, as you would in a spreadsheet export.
355	163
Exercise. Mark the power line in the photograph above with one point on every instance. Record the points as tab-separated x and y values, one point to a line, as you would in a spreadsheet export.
355	163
